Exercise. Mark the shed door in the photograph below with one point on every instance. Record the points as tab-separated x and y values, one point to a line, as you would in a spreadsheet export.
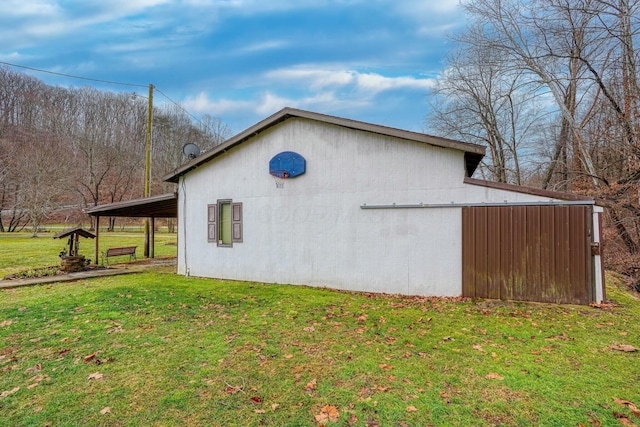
528	253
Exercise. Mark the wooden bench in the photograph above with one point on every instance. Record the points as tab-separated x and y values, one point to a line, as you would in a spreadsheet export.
126	250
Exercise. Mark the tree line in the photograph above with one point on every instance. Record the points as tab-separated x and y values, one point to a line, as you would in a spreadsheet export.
76	148
551	88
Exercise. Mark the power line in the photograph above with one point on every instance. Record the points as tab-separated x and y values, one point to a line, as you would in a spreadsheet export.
108	82
180	107
71	76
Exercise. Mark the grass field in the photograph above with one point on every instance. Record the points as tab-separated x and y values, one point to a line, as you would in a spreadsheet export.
19	251
158	349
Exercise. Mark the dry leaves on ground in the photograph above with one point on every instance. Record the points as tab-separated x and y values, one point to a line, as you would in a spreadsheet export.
632	407
623	347
494	376
9	392
95	376
328	413
311	385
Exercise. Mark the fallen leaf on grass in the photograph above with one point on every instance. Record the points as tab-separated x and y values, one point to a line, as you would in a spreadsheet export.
9	392
105	410
37	380
311	385
623	347
288	356
34	368
96	376
232	390
624	420
479	348
328	413
88	358
5	323
494	376
275	406
260	411
632	407
256	400
385	367
412	409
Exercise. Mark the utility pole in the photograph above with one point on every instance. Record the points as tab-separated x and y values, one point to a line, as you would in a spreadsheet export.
147	172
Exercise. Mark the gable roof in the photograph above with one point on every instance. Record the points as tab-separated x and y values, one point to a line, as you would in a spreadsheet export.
76	230
473	152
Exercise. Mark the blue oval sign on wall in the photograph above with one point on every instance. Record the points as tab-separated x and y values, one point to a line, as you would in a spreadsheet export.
287	165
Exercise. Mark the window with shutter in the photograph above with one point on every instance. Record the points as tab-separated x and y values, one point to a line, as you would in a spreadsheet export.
212	214
224	221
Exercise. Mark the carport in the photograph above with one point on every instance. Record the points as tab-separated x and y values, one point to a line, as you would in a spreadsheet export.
162	206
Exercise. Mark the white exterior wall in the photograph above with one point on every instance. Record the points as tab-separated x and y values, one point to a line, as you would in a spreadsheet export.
313	231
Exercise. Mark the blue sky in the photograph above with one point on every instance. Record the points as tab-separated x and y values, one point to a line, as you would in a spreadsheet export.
242	60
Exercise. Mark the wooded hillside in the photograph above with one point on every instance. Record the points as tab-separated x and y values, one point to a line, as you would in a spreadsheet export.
72	148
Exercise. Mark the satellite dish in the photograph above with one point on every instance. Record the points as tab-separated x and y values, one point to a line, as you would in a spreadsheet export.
191	150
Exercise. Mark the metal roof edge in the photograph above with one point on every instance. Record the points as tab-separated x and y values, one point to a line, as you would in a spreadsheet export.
133	202
529	190
289	112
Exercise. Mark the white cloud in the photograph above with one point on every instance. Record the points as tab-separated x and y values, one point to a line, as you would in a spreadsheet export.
364	83
426	9
266	104
376	83
262	46
21	8
315	79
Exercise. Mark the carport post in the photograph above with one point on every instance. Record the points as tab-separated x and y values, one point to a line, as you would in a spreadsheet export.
97	239
152	244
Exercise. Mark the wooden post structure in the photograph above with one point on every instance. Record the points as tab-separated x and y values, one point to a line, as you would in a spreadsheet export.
147	169
152	245
96	250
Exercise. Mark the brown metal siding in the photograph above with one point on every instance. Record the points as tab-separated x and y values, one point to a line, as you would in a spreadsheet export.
528	253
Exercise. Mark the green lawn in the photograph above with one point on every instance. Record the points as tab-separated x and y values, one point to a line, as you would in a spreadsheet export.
158	349
19	251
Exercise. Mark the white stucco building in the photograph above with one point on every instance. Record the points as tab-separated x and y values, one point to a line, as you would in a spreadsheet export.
377	209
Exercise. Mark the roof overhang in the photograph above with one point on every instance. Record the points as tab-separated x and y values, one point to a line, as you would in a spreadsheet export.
473	152
531	190
162	206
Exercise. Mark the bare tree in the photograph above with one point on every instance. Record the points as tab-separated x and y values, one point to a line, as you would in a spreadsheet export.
42	176
483	99
581	56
